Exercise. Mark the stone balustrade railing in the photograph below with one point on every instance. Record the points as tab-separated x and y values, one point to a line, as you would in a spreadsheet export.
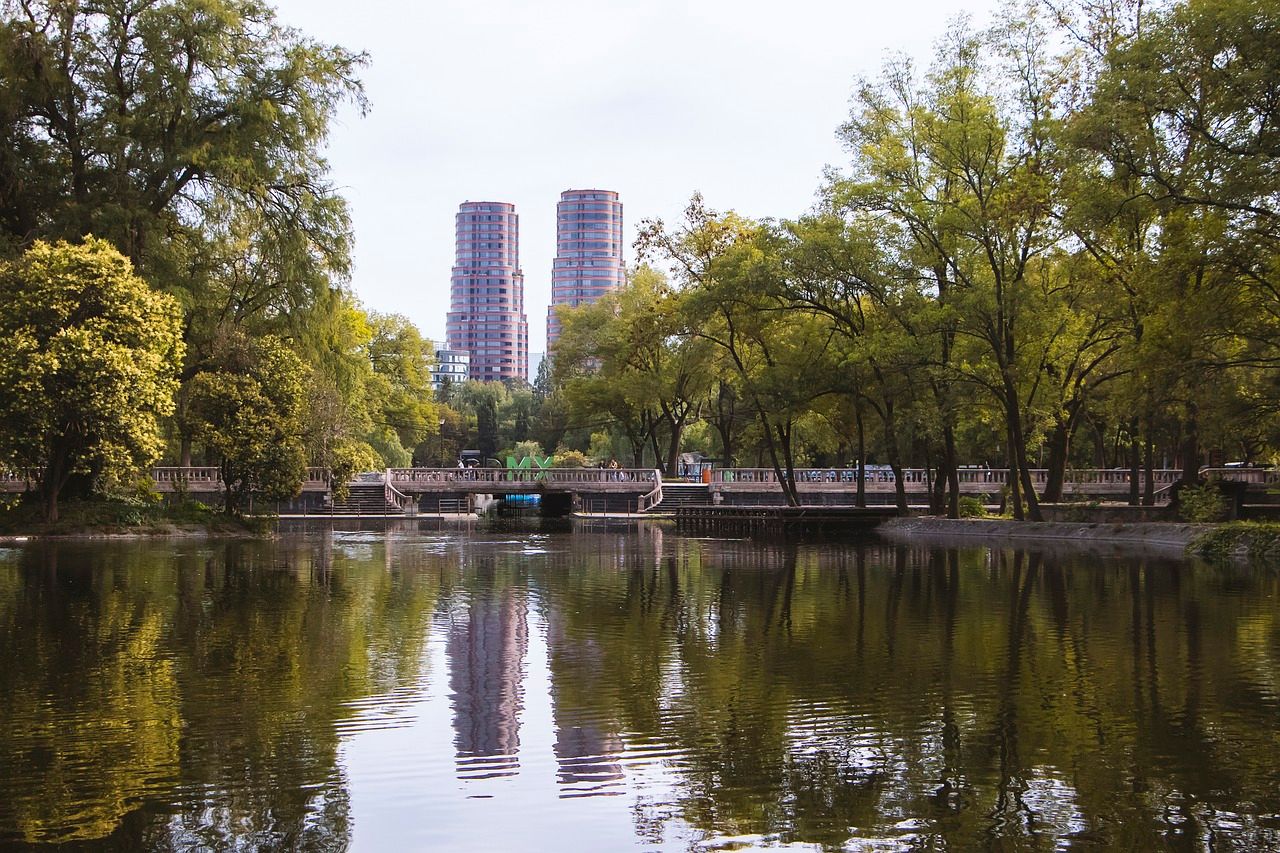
878	478
557	476
918	479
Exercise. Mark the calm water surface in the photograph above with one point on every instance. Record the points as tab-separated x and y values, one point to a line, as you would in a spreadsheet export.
616	689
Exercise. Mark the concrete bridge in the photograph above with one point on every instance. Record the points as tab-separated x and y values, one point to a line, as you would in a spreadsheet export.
640	489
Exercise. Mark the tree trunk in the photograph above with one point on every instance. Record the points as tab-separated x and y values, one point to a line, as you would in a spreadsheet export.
1018	454
1059	448
788	487
1135	465
55	477
791	488
862	459
951	470
894	457
1012	480
934	483
658	458
673	450
1190	450
1149	495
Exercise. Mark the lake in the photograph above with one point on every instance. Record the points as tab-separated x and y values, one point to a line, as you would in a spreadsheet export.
593	688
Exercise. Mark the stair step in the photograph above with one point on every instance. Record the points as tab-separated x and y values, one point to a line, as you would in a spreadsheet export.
365	499
676	495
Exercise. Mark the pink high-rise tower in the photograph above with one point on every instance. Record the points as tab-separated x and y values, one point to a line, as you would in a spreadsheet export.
588	260
486	300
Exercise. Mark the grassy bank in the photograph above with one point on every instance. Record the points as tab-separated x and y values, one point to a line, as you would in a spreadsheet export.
1236	539
1253	539
1162	534
108	517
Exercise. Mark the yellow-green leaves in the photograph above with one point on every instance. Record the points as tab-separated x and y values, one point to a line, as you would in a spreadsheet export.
88	363
249	412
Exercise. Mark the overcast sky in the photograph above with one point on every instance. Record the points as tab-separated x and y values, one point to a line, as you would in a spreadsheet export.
517	100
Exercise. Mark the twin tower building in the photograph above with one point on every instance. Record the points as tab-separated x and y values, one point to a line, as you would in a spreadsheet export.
486	319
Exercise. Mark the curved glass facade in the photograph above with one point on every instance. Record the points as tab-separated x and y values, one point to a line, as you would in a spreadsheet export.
453	366
588	261
486	315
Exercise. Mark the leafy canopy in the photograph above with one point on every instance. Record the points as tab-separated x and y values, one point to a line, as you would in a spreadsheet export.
89	363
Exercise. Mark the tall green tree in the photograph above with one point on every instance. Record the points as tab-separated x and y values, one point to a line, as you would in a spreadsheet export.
399	391
634	352
1180	199
128	119
88	367
249	412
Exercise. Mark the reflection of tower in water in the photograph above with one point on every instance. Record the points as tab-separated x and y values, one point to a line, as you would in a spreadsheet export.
588	743
486	650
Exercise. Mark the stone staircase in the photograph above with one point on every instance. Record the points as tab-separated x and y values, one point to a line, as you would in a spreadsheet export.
366	499
682	494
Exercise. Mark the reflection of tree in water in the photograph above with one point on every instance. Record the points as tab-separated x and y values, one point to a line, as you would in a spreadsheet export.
89	701
239	656
487	643
809	694
805	692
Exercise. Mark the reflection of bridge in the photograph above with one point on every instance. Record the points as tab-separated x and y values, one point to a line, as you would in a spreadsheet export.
640	489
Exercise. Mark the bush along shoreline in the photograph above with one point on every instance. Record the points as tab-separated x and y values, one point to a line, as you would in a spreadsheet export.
124	517
1254	540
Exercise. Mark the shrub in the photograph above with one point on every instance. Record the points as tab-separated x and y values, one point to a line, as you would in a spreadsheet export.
1080	511
570	459
971	507
1239	538
1200	504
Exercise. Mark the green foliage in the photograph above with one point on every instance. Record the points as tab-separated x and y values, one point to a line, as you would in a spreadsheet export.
631	359
1199	504
191	135
249	412
526	449
221	106
390	453
483	401
88	365
1239	539
349	459
570	459
399	391
972	507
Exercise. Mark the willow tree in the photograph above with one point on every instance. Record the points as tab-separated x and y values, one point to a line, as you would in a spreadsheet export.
633	358
734	297
189	134
128	119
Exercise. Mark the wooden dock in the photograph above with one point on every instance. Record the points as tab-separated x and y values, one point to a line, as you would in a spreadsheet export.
753	520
